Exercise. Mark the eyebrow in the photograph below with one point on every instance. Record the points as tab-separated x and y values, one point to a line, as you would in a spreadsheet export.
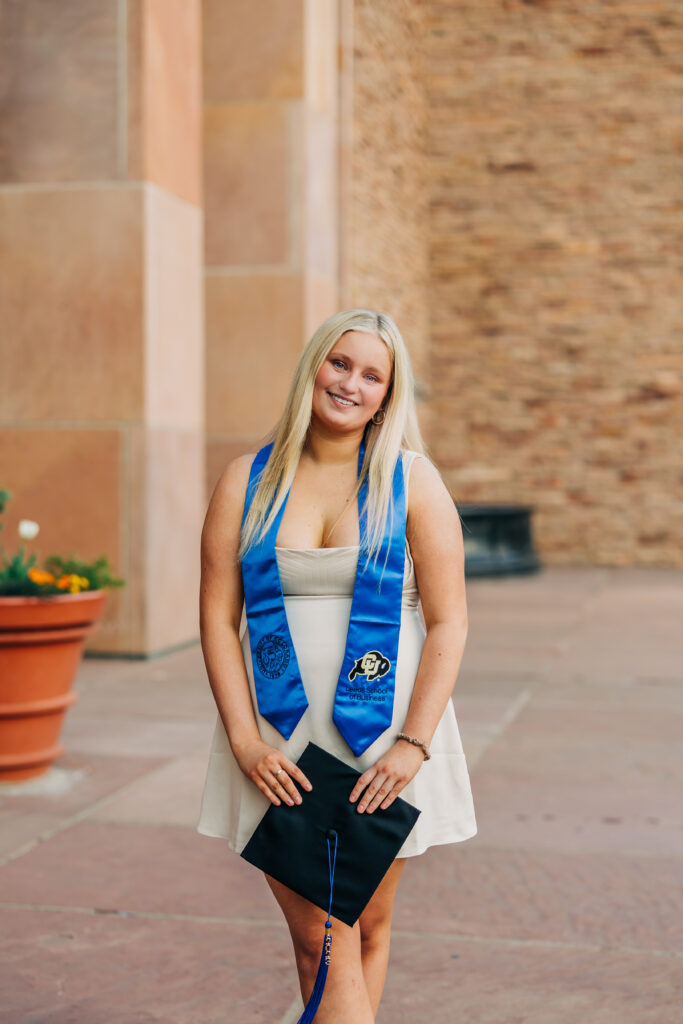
372	369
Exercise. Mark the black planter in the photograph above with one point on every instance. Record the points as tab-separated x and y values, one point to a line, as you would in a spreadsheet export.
498	540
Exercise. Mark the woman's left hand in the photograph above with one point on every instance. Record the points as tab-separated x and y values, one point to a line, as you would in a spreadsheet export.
387	777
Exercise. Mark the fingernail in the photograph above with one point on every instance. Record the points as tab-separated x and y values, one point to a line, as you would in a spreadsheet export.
362	807
298	799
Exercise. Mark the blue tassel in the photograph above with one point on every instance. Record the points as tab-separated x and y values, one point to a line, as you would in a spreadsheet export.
313	1003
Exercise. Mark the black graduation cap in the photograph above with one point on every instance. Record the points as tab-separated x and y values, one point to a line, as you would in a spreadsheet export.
327	852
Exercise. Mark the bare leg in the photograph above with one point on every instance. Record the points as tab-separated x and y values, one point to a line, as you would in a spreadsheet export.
375	932
345	998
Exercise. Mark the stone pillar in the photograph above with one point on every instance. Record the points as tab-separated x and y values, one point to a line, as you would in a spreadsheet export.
271	239
101	390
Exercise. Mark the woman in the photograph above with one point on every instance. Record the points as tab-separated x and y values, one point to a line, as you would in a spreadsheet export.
352	394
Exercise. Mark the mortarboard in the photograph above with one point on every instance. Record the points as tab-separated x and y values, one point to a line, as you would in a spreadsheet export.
327	852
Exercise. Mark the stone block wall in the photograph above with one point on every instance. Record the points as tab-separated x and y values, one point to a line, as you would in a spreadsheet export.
270	184
101	327
556	197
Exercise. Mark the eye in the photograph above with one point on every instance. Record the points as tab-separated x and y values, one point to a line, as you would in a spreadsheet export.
338	362
371	376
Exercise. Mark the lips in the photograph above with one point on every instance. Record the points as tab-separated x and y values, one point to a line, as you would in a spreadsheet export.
346	402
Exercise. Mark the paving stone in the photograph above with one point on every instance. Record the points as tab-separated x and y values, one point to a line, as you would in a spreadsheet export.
621	724
31	808
554	813
519	633
483	711
19	827
170	795
605	636
132	735
71	968
75	781
513	663
481	720
176	684
615	640
590	764
557	585
652	694
140	868
473	889
474	747
448	981
476	679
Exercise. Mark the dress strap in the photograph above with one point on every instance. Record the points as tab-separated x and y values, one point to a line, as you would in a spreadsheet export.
408	458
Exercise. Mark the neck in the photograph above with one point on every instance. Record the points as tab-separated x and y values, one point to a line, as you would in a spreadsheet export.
327	448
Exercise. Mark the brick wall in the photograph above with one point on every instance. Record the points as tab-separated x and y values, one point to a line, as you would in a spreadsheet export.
556	196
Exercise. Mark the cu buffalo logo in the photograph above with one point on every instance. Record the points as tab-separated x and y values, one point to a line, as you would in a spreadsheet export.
272	655
372	665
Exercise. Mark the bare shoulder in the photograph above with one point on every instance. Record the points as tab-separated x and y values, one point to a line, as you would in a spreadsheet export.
234	478
431	509
426	483
224	514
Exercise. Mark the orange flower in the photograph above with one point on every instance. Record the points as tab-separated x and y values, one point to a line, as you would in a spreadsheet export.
73	583
40	576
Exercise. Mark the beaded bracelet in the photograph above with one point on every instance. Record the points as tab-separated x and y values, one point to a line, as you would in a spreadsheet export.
417	743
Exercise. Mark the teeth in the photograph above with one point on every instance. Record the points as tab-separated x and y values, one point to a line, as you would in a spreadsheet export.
344	401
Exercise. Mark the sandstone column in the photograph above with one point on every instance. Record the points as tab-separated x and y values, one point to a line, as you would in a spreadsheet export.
101	390
271	239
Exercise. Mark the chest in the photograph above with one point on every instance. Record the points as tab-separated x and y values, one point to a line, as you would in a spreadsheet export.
321	511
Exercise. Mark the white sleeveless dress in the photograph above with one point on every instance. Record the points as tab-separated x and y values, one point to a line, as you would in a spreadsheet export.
317	584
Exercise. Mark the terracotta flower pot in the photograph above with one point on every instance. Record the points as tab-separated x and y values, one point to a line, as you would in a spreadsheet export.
41	645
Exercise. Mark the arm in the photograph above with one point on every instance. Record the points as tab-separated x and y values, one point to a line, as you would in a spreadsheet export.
436	543
435	537
220	607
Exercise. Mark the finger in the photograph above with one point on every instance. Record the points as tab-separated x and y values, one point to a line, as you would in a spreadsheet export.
283	778
390	799
371	792
276	783
266	773
381	795
364	779
258	781
295	772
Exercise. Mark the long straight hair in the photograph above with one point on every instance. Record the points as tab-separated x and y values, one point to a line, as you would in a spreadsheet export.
383	442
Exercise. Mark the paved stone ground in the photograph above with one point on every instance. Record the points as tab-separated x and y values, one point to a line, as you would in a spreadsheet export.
566	907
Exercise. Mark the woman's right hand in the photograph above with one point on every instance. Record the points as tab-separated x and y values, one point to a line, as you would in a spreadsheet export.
272	772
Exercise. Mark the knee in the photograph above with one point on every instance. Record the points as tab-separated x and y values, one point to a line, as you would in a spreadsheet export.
308	946
375	933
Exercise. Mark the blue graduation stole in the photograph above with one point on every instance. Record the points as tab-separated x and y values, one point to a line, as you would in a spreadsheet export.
364	698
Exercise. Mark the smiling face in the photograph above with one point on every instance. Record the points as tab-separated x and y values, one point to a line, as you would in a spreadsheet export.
352	383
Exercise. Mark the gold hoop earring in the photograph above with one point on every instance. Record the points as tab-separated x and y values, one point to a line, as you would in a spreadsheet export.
381	413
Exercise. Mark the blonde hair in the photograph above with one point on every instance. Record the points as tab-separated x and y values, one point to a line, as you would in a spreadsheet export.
383	442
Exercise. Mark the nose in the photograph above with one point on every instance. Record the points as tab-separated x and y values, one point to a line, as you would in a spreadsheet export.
349	384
